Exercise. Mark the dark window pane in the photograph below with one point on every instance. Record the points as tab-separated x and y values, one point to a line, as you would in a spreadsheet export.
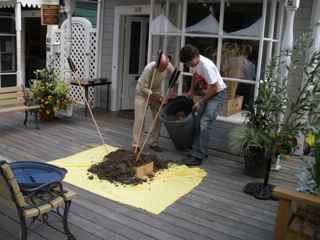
8	80
7	25
7	20
135	47
7	54
203	18
243	18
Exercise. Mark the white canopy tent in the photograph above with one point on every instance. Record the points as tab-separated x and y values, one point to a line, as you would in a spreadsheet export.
253	30
161	24
208	25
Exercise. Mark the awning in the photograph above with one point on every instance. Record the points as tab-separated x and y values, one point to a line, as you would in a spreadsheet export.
24	3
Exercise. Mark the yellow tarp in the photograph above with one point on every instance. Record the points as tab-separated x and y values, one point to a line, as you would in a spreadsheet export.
166	188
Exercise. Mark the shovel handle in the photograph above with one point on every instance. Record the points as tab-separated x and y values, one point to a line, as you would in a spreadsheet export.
71	64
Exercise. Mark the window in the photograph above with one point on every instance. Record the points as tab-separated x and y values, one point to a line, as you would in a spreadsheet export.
238	35
8	66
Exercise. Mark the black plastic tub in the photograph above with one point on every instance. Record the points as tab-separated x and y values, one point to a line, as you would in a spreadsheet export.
179	121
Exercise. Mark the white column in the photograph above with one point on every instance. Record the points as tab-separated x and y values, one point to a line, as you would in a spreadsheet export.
287	45
315	23
69	7
99	29
52	45
287	41
20	81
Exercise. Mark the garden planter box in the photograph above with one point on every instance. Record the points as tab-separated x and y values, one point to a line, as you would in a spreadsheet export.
232	106
300	230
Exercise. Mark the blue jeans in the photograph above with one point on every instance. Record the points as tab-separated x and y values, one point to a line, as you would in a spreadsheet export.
204	123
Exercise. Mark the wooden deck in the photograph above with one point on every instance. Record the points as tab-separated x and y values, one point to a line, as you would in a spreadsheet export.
217	209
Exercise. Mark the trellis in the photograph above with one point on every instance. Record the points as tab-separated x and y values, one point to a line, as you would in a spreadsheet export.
83	54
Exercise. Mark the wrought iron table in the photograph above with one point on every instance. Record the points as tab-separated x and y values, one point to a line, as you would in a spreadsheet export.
87	83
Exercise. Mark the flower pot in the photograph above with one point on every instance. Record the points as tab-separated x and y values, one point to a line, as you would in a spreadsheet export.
46	117
256	162
65	112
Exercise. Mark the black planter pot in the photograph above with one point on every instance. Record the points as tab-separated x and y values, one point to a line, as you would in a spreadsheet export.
256	162
181	131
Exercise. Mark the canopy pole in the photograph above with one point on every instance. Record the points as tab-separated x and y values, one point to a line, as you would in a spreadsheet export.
20	81
69	6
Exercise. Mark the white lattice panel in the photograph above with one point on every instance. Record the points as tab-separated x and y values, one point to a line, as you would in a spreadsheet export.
83	54
92	57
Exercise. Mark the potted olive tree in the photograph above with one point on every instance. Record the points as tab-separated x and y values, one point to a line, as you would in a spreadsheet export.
257	138
274	122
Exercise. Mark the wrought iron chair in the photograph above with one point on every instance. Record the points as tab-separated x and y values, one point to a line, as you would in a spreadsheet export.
34	206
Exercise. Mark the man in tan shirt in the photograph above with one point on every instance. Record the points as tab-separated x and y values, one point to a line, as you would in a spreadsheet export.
150	83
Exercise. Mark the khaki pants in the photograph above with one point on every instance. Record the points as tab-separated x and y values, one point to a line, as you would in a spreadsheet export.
139	106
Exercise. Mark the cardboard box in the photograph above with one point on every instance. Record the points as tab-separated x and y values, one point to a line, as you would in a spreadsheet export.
232	106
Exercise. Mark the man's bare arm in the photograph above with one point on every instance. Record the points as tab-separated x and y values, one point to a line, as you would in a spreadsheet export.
211	92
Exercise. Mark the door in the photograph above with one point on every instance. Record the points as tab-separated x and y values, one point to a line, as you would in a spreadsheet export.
35	47
135	49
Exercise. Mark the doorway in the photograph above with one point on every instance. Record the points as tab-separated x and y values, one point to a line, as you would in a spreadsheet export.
133	58
127	19
35	47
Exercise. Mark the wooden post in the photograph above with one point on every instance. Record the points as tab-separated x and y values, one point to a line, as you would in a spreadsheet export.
284	210
283	216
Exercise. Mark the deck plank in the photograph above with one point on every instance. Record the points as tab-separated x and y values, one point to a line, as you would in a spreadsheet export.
217	209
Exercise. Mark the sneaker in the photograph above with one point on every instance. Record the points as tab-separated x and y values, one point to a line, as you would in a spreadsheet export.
156	148
276	165
192	161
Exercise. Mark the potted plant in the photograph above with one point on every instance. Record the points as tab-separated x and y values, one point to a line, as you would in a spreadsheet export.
306	220
273	123
51	93
256	139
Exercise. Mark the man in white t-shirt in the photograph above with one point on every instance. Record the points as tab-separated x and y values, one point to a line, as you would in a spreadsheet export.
208	105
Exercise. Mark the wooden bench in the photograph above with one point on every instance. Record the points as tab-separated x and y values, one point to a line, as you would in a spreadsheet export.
286	199
14	99
27	209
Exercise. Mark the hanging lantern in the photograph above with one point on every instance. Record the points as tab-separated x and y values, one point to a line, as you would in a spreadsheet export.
50	12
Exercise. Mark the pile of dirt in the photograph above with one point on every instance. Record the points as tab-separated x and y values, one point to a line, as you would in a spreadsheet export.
119	167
